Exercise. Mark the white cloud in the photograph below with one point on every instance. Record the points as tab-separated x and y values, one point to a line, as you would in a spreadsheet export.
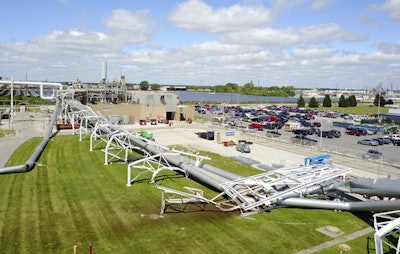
197	16
312	53
314	34
320	33
263	36
279	5
318	5
393	7
128	27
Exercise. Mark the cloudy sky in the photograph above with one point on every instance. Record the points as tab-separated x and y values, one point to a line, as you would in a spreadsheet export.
305	43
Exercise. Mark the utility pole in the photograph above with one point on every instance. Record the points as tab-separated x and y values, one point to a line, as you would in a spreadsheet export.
11	117
379	101
201	92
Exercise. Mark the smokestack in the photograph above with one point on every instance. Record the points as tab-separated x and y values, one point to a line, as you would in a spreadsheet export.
104	72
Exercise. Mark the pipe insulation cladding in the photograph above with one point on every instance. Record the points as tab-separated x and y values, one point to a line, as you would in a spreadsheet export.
30	164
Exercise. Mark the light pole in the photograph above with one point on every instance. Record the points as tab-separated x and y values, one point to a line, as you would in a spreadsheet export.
11	116
379	101
320	136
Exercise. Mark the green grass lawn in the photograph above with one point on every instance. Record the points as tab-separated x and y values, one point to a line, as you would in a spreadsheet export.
360	109
77	200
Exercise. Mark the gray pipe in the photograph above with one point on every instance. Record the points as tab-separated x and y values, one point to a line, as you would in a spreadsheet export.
220	172
30	164
376	206
373	187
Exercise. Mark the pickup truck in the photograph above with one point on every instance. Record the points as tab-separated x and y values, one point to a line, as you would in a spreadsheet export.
243	147
395	139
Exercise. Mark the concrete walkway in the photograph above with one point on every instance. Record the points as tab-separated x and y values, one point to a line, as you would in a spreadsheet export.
26	126
337	241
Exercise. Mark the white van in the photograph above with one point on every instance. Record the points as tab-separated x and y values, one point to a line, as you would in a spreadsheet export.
395	137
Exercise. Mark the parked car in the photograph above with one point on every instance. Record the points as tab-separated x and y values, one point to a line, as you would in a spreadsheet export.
317	124
304	139
273	133
243	147
354	133
373	151
303	131
369	142
369	132
324	134
336	133
395	139
385	140
380	142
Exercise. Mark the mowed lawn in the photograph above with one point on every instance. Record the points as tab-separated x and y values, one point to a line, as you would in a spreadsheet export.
77	200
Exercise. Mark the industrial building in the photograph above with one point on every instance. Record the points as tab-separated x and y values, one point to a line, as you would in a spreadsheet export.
392	116
147	106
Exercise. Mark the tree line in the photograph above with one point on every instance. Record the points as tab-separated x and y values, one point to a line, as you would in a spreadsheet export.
343	102
327	101
246	89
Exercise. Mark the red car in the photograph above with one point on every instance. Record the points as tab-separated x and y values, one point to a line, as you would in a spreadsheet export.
316	124
256	126
354	133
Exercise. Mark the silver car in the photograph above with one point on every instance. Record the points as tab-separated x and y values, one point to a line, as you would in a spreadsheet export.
368	142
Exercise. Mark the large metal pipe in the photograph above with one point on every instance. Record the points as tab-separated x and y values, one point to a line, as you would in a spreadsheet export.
220	172
30	164
375	206
40	84
373	187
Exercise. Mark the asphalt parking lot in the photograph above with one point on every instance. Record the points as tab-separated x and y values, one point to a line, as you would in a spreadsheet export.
346	144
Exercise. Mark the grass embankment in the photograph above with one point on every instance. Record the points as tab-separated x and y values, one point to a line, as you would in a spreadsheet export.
360	109
77	200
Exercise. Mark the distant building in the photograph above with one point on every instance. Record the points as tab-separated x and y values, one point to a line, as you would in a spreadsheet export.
146	105
392	116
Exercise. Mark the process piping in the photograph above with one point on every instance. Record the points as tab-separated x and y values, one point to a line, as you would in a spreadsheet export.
306	186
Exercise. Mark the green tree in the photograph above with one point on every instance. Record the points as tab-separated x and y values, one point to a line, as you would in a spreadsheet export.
327	102
289	90
219	89
144	85
343	102
248	88
352	101
300	102
382	101
313	103
232	87
155	87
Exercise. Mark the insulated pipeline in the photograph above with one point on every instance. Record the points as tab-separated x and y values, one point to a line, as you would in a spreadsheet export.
30	164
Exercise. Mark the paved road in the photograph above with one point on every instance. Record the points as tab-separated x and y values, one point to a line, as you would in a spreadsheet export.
26	125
